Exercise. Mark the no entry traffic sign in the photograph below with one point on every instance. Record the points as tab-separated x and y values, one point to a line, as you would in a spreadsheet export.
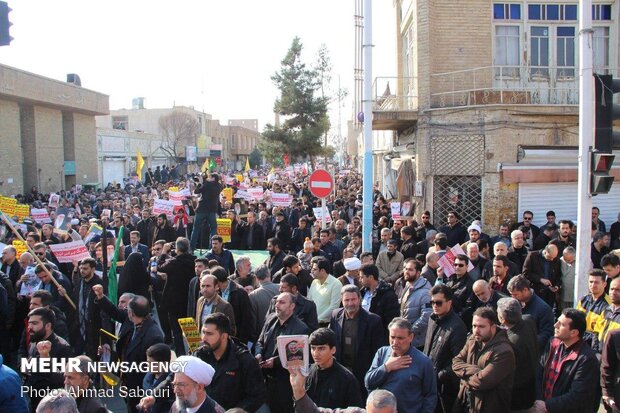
321	183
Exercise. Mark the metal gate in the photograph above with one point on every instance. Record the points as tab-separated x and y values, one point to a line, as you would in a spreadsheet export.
462	194
457	165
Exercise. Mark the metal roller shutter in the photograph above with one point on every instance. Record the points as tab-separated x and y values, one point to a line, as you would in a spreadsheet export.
562	198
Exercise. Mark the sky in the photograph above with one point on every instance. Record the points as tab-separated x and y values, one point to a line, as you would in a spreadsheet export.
215	55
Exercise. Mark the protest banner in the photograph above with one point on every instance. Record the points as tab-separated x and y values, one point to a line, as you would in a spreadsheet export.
256	193
22	212
447	261
281	200
40	215
243	194
70	251
176	197
318	214
190	332
395	208
227	193
20	247
7	205
224	228
162	206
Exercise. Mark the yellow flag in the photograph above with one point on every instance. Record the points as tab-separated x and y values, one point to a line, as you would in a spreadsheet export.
139	164
205	165
247	163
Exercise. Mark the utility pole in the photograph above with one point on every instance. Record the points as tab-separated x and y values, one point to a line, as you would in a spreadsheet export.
586	125
367	100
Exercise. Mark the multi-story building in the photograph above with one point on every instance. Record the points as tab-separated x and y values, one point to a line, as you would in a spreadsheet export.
124	131
47	130
486	104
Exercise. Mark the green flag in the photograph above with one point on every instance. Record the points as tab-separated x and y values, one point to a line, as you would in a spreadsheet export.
212	164
112	282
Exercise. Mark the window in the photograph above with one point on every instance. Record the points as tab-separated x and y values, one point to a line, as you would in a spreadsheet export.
552	12
565	52
120	122
539	51
507	51
600	50
504	11
601	12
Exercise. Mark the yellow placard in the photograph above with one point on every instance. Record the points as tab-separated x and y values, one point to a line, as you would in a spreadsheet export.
20	247
239	178
22	211
224	228
174	189
228	194
190	331
7	205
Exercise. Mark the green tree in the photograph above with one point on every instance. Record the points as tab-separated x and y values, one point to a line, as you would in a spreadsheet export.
256	158
304	113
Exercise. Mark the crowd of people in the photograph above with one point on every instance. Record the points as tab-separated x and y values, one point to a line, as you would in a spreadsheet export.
431	319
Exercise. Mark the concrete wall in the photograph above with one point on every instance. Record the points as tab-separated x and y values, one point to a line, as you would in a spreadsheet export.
11	153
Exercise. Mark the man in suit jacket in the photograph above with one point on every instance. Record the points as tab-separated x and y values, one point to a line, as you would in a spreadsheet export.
135	246
283	322
356	350
240	302
132	344
260	298
544	270
210	302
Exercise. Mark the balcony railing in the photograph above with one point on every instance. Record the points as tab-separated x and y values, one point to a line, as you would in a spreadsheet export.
525	85
394	94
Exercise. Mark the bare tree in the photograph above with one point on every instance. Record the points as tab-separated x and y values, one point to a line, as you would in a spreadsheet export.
178	130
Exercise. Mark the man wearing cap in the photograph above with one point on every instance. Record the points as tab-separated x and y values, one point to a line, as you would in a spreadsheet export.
351	277
189	387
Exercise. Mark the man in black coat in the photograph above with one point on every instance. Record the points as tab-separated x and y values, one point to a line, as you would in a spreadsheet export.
355	350
283	322
378	297
88	321
163	230
207	209
282	231
276	255
445	338
240	302
133	343
252	236
455	231
44	343
522	334
305	309
544	270
177	272
238	381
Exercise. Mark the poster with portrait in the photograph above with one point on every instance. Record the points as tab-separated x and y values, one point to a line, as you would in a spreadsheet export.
294	351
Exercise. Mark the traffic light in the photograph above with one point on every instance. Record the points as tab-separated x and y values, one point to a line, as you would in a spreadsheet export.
600	176
605	139
5	37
